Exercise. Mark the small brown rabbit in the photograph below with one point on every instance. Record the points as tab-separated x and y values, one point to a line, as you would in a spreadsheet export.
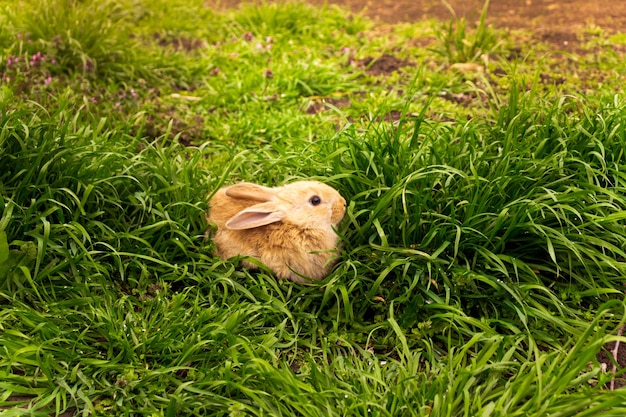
288	228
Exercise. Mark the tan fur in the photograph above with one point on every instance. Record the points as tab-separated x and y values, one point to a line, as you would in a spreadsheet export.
297	241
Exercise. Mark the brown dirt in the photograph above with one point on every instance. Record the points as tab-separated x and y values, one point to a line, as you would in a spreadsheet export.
554	21
178	43
614	360
383	65
319	106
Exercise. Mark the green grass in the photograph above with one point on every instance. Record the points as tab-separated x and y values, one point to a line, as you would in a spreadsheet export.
484	244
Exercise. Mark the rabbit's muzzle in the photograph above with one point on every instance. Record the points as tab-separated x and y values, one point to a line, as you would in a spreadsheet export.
338	211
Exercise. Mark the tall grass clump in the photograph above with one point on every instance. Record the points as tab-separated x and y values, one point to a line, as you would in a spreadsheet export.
297	20
89	51
86	208
504	218
85	38
460	45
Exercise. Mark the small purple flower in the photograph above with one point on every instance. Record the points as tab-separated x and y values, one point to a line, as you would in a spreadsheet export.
215	71
133	93
268	73
48	80
248	36
269	39
93	100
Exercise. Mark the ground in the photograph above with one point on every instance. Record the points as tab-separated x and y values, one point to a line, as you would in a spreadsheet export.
556	21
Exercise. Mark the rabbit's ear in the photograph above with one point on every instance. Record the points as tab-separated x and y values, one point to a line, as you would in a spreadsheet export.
255	216
249	191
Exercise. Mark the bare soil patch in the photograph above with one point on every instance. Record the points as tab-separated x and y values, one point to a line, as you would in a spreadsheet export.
383	65
555	21
552	20
319	105
613	359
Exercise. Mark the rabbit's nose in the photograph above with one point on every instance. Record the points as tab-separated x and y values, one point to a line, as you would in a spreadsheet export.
338	211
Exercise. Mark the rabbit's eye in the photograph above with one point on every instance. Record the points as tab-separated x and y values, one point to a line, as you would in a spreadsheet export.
315	200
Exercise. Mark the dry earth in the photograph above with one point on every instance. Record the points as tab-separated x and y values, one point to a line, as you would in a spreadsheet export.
554	21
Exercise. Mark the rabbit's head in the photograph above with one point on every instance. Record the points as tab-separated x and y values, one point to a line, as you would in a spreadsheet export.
307	204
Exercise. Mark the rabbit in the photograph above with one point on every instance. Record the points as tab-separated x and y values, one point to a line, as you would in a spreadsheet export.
290	229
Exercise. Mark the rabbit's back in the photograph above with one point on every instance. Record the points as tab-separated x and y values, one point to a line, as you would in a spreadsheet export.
283	248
